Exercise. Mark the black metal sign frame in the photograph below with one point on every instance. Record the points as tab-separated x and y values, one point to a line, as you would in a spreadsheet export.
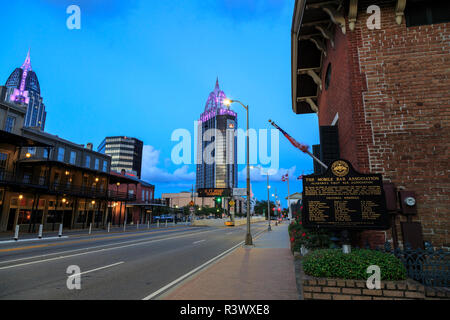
343	198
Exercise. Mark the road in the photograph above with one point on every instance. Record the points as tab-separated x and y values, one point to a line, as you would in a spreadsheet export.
131	265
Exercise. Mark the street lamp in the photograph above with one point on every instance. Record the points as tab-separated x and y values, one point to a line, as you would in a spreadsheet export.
269	228
248	237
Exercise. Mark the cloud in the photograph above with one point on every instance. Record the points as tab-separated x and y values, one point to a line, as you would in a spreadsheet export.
151	172
274	175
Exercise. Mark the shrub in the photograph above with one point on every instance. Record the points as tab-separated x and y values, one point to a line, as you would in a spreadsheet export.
311	239
333	263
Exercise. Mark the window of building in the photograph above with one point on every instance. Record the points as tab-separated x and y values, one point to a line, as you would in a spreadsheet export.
32	150
45	154
87	164
3	163
143	195
42	176
105	166
97	164
56	178
424	12
60	154
73	157
10	121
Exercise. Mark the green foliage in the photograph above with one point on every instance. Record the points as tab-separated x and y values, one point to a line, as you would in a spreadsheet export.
261	207
311	239
207	211
333	263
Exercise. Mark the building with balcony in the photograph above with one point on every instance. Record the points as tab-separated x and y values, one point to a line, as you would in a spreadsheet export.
139	210
47	180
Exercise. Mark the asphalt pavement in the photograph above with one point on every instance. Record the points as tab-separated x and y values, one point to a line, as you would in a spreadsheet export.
121	265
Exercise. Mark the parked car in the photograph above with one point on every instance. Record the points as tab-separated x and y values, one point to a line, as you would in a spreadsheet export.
163	218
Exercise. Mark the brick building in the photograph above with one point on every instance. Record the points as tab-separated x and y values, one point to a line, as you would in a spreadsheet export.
382	96
141	208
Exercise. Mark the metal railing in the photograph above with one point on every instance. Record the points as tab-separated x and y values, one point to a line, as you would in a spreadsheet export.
8	177
91	192
428	266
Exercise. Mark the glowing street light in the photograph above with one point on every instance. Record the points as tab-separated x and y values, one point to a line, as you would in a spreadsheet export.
248	238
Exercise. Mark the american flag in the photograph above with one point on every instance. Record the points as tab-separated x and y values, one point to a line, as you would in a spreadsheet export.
284	177
300	177
302	147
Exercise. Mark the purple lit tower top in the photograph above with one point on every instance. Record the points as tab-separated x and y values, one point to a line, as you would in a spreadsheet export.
23	89
214	105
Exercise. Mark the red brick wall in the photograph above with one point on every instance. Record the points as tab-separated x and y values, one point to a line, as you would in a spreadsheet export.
119	212
395	119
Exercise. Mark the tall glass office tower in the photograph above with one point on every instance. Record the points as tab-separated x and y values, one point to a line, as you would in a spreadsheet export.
125	152
216	144
23	89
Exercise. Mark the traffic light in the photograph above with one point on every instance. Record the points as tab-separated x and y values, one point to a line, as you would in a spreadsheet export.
217	201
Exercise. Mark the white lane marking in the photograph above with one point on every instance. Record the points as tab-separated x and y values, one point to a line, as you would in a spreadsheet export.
174	282
198	241
229	233
89	271
88	248
34	239
107	249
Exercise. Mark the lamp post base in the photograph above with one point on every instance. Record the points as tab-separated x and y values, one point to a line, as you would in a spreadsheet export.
269	228
248	240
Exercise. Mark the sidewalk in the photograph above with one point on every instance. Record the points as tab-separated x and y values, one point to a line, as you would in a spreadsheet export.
264	271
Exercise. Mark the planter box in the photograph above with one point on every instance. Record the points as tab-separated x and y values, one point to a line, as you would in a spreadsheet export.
341	289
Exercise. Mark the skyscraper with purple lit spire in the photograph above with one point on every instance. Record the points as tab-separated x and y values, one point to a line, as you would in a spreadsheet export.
216	144
23	89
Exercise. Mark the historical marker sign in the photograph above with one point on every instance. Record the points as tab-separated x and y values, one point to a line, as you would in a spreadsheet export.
214	192
344	199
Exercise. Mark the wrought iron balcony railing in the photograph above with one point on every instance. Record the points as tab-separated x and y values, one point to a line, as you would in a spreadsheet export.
11	178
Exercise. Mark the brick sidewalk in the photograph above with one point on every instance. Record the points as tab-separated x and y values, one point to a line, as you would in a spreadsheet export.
264	271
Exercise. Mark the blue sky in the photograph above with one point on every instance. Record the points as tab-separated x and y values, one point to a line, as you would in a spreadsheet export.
144	68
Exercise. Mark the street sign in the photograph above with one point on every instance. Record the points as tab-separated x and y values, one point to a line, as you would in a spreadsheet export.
214	192
231	203
239	191
342	198
191	209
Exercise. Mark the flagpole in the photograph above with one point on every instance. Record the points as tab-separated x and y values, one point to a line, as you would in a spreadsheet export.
302	147
289	203
315	158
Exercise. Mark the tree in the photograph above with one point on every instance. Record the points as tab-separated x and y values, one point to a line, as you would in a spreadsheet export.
261	207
